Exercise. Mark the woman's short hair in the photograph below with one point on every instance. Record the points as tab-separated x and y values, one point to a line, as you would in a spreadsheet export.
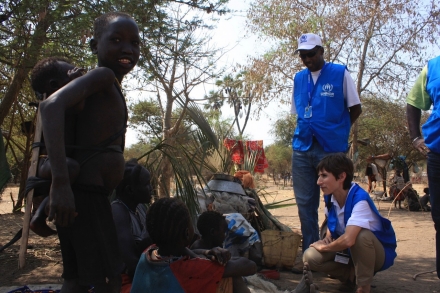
337	164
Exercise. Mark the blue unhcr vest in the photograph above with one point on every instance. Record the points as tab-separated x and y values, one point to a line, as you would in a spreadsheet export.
431	129
386	235
330	121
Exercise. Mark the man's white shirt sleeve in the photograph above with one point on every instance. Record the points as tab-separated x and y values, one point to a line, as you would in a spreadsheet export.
351	96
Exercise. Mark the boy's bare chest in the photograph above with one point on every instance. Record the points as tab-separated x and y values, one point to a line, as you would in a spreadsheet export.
101	117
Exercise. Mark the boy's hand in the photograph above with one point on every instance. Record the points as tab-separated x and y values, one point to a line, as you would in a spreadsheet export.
62	205
75	73
221	255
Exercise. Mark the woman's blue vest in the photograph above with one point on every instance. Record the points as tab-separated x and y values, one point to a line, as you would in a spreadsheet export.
386	235
431	129
330	121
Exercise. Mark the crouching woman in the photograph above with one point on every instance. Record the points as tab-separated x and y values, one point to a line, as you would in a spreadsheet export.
359	242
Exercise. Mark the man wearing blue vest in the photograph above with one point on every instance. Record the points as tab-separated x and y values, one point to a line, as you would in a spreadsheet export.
327	104
355	228
426	92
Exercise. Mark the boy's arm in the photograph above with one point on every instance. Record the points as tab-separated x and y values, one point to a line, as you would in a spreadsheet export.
62	205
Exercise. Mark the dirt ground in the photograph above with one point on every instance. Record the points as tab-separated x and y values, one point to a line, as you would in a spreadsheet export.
415	248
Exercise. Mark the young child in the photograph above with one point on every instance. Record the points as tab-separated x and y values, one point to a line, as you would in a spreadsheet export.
82	213
424	200
169	266
129	215
213	228
49	75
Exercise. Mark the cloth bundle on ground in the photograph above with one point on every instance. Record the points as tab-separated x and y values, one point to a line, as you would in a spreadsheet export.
241	235
259	285
226	203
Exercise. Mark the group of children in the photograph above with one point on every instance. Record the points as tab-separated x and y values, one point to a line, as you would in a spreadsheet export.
109	245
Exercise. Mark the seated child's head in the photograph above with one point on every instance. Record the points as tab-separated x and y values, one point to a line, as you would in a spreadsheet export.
135	186
169	224
213	227
337	164
49	75
426	190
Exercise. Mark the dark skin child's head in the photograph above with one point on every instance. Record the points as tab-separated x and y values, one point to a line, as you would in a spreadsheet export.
50	74
169	224
219	234
135	187
213	227
116	43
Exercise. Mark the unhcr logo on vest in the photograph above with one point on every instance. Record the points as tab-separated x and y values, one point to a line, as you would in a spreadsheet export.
327	90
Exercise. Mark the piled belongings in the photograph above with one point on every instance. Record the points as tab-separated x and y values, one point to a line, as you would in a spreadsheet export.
252	228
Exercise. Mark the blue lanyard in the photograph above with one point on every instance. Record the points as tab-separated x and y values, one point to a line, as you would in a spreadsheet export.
309	82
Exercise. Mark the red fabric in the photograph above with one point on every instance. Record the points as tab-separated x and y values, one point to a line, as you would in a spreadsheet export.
257	146
236	149
261	163
197	275
237	152
126	283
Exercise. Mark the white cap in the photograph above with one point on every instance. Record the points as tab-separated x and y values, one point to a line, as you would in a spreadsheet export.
308	42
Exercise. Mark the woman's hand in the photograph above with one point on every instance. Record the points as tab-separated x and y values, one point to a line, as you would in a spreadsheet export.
328	240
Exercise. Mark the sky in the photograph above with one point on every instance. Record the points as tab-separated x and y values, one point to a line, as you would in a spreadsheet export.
231	33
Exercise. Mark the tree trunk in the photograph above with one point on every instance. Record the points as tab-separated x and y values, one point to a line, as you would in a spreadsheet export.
165	178
12	92
24	173
31	55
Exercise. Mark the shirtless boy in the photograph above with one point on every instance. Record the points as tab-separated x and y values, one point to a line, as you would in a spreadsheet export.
82	213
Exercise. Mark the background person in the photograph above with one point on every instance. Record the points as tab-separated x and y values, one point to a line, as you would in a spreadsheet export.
426	92
327	104
129	214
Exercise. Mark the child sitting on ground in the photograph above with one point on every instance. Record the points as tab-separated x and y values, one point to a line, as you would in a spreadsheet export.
129	215
213	228
48	76
424	200
169	266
